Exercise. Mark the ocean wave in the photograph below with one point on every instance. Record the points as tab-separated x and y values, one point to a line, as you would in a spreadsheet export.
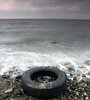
16	62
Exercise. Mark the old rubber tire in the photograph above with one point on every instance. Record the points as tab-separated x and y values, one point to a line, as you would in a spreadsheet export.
44	90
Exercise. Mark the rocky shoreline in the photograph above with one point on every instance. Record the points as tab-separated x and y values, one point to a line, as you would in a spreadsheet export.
10	89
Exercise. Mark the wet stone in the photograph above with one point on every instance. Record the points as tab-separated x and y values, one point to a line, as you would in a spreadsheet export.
54	42
71	69
87	62
77	93
74	90
11	71
81	79
69	65
5	76
1	79
9	90
83	75
88	73
87	98
19	93
4	95
18	77
82	84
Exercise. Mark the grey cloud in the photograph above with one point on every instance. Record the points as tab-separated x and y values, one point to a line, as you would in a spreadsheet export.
81	5
48	8
54	3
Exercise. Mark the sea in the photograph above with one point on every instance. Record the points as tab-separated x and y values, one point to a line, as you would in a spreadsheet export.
27	43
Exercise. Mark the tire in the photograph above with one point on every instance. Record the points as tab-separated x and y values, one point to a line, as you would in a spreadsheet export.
44	90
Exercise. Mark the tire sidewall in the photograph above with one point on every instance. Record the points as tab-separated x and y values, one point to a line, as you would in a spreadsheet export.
50	90
58	82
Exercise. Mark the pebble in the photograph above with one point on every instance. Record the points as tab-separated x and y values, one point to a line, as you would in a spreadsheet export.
83	75
1	79
65	63
82	84
9	90
69	66
11	71
71	69
87	98
13	67
83	69
4	95
5	76
80	79
18	77
88	73
85	94
19	93
74	91
75	75
77	93
87	62
22	68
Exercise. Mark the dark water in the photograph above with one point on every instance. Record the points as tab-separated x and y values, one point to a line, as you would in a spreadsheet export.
72	32
66	38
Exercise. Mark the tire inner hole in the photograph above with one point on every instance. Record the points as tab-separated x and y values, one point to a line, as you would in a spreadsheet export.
44	76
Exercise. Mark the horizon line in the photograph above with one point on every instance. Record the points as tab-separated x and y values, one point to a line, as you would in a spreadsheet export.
48	18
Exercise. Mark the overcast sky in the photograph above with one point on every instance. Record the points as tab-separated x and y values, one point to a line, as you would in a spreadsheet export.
52	9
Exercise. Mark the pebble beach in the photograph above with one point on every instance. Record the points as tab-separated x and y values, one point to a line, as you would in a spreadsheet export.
77	86
10	89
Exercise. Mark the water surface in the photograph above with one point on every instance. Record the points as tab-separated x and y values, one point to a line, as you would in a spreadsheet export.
26	42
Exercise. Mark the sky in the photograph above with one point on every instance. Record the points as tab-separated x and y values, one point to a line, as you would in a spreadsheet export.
45	9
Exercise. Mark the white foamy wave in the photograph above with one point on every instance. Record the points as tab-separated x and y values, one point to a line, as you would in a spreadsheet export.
16	62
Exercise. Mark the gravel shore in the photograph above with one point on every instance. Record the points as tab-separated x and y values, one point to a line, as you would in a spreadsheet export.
10	89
